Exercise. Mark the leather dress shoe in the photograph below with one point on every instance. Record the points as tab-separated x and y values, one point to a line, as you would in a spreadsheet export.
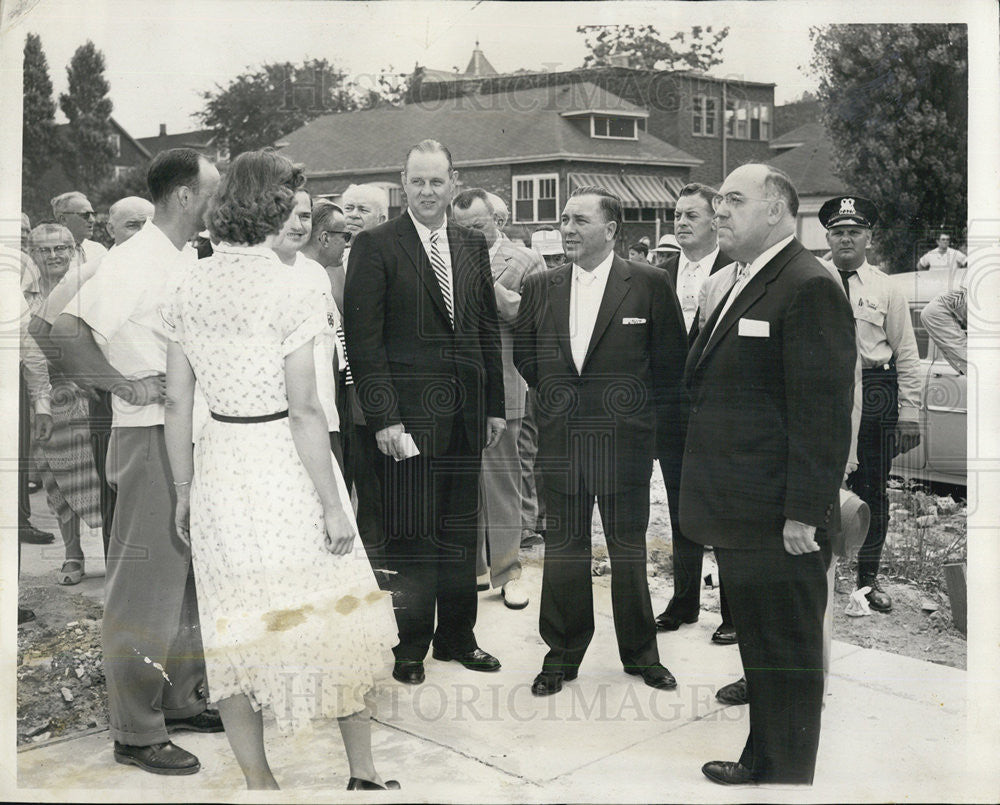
734	693
164	758
409	672
357	784
656	676
727	772
27	533
878	599
549	682
475	660
205	721
725	635
25	615
666	622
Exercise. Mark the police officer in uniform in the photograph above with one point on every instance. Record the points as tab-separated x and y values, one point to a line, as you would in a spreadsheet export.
891	373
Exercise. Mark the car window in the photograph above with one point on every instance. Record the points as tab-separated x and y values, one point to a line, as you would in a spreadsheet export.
923	339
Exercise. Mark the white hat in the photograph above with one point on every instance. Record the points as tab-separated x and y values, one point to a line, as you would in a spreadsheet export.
667	243
547	241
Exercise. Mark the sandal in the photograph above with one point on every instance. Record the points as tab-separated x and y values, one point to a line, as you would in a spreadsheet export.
71	572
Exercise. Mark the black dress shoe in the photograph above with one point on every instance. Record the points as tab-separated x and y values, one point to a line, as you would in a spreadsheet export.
549	682
27	533
666	622
734	693
409	672
475	660
357	784
725	635
165	758
727	773
656	676
878	599
205	721
25	615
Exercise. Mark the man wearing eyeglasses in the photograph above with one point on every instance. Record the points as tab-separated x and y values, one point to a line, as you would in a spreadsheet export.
74	211
770	380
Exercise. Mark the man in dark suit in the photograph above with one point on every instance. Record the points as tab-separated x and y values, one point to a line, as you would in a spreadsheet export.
700	257
423	341
770	380
601	340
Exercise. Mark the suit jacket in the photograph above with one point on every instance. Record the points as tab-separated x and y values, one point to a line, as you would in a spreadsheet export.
601	424
672	267
511	266
409	364
771	391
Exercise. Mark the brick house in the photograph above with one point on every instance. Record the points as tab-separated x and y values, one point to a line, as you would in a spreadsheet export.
531	146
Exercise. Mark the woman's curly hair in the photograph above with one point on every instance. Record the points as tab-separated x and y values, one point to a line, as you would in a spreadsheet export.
255	197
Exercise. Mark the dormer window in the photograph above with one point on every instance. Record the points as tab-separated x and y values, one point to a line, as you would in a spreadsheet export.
613	128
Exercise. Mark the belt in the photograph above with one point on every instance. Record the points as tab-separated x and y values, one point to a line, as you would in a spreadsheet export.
250	420
881	368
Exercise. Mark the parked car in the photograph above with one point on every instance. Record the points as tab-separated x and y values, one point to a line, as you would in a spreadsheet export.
942	454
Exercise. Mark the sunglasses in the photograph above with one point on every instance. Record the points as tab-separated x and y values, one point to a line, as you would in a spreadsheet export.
347	235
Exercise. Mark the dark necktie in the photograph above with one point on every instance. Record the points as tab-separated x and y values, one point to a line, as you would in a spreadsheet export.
845	277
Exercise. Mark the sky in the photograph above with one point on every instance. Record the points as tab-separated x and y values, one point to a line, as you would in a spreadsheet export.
161	54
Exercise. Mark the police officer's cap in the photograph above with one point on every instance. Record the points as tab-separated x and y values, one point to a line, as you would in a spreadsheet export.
843	210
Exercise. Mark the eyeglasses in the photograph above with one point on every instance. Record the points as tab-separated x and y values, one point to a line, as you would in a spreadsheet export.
346	234
60	250
734	200
86	214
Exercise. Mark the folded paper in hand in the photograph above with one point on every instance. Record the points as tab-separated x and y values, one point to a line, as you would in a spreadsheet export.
408	446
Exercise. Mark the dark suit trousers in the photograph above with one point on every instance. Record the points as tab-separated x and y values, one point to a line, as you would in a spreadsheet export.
688	558
566	620
778	602
362	459
101	417
430	506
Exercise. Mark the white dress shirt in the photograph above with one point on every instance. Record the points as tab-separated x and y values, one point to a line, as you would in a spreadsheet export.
444	249
585	297
691	276
762	260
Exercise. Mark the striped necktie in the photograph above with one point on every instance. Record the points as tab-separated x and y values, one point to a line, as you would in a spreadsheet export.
443	276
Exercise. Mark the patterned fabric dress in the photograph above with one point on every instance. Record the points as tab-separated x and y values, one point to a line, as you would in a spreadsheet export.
283	621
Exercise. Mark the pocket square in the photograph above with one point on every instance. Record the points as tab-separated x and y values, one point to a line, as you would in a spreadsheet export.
633	321
754	328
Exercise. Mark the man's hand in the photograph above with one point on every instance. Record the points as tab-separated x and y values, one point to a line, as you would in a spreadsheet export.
495	426
144	391
799	538
389	441
907	436
851	467
41	427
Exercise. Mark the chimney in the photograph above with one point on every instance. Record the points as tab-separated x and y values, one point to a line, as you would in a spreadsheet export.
163	129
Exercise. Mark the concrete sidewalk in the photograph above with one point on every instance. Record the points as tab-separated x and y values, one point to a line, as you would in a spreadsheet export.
894	729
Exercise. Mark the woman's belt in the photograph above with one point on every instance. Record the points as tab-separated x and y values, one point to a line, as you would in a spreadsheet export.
250	420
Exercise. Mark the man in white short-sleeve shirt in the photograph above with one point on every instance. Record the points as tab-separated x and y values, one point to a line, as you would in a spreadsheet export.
943	256
114	339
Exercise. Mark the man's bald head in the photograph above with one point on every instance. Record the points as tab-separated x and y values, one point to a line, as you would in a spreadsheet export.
365	206
755	208
500	211
127	216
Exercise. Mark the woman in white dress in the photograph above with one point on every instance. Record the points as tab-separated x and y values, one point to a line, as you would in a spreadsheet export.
291	614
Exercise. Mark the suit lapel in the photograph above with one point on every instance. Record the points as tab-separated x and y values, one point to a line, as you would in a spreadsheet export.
409	240
559	294
614	292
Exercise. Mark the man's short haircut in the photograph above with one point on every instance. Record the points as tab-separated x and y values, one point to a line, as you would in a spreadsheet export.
428	147
61	202
943	235
377	192
255	197
640	247
698	189
779	183
50	228
611	205
465	199
173	168
323	211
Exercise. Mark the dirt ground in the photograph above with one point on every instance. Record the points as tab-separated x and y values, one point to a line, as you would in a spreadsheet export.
61	682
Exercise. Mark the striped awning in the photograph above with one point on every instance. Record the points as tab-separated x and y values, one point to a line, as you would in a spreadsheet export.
634	191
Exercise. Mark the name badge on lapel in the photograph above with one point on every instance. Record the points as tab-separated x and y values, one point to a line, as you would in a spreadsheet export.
633	321
753	328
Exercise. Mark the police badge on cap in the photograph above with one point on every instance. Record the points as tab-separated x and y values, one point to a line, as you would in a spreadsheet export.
848	210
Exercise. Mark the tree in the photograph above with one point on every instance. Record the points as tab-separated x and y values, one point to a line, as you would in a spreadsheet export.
646	48
894	102
87	149
38	133
130	183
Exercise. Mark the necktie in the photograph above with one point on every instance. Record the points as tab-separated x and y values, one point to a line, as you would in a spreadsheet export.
742	271
845	277
443	277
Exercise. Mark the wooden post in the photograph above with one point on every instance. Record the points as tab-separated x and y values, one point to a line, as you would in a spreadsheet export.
954	576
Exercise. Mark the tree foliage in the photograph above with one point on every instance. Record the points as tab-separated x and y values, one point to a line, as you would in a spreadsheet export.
698	49
894	100
260	106
130	183
86	146
38	132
